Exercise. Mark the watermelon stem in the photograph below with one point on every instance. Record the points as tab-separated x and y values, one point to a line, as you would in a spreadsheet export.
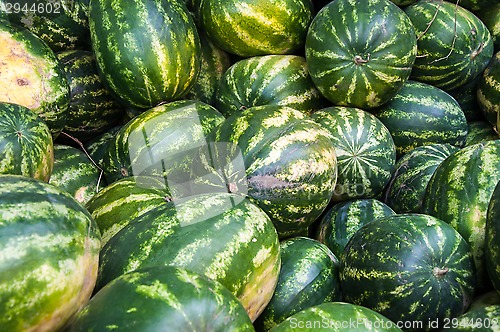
359	60
439	272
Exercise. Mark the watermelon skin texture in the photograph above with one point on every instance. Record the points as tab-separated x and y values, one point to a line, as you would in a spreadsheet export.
258	27
268	80
32	76
290	163
365	150
459	193
220	235
409	267
343	219
163	298
422	114
492	239
488	90
147	52
454	46
309	275
490	16
50	250
26	145
359	54
480	131
337	316
485	318
406	190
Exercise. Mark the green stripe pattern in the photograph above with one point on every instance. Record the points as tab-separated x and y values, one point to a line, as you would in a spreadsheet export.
454	46
459	193
365	149
163	298
290	163
343	219
26	146
422	114
405	192
117	204
75	173
147	51
480	131
222	236
337	316
490	16
360	53
49	248
92	109
492	239
309	275
268	80
409	268
488	90
485	319
258	27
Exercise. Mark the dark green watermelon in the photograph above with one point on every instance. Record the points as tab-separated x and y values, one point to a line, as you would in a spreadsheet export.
488	90
492	238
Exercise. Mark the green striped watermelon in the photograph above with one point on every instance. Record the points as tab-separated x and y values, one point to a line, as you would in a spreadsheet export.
492	238
257	27
422	114
459	192
343	219
483	319
490	16
268	80
405	192
214	63
466	96
92	109
117	204
454	46
32	76
365	151
476	5
289	160
409	268
220	235
49	247
26	146
488	90
75	173
62	24
480	131
147	52
163	298
337	316
360	53
96	147
308	277
161	141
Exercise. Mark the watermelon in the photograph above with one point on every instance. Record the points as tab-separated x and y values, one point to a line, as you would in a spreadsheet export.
214	63
268	80
49	247
162	298
360	54
337	316
92	109
466	96
477	5
365	150
32	76
459	192
75	173
454	46
422	114
117	204
157	141
486	299
480	131
223	236
485	318
406	190
490	16
96	147
488	90
289	161
308	277
409	268
343	219
147	52
492	238
62	24
257	27
26	145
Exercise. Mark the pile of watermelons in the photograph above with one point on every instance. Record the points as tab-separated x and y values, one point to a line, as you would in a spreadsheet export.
237	165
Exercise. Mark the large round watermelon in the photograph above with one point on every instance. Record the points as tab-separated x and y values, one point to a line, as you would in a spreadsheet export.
360	53
49	250
488	90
